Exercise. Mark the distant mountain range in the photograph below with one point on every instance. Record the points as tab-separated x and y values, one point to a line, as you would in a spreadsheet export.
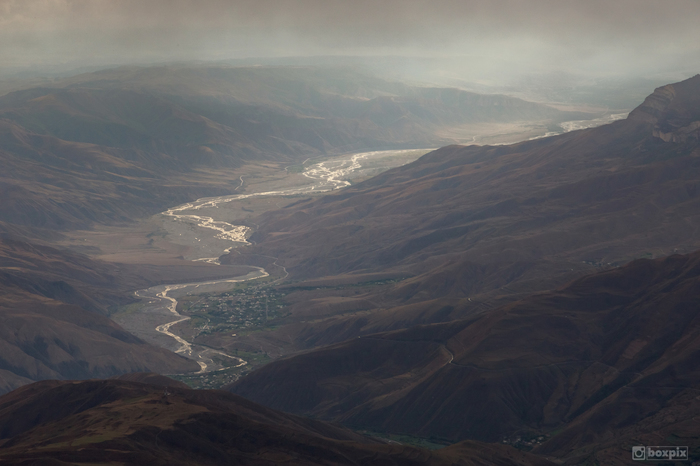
499	306
114	145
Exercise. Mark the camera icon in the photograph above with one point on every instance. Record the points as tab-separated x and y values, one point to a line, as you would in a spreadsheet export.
639	453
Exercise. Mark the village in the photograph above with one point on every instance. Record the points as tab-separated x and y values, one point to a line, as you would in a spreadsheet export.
239	310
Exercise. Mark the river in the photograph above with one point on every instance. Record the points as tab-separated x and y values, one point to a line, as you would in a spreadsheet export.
201	227
576	125
199	224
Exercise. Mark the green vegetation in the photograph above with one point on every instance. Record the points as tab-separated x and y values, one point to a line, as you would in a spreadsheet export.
125	310
246	307
94	439
240	310
220	378
427	443
352	285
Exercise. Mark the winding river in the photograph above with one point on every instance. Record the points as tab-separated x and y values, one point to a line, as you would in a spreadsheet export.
202	355
199	225
212	237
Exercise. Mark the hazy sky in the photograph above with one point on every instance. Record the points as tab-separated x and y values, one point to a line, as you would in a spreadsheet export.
601	36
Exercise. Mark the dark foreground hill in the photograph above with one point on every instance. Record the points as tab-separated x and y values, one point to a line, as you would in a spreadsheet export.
128	422
607	362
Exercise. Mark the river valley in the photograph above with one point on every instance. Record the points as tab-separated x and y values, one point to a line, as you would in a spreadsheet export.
208	227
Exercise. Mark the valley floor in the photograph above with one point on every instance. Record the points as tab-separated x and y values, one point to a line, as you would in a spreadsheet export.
182	246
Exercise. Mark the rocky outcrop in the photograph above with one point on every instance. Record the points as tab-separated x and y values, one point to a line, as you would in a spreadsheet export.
673	111
684	134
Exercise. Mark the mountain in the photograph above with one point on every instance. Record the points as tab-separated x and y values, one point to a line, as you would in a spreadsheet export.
53	306
608	360
674	110
53	184
502	203
130	422
468	224
312	91
597	363
43	338
119	144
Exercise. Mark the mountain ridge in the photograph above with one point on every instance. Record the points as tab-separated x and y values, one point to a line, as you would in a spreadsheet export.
588	358
462	198
123	136
99	422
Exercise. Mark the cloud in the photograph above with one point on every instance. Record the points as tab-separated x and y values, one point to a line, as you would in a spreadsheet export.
545	33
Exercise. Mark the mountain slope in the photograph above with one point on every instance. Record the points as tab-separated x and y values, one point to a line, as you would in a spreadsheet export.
603	357
47	339
103	422
325	92
118	144
540	208
55	184
53	307
466	229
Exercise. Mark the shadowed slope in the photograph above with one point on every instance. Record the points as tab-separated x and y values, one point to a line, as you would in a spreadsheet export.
151	378
46	339
606	352
52	306
467	229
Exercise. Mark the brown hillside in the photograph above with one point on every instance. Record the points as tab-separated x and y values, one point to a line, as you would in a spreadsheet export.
114	145
507	218
43	338
467	229
53	307
604	354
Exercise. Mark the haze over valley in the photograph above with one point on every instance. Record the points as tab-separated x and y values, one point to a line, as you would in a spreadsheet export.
348	233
